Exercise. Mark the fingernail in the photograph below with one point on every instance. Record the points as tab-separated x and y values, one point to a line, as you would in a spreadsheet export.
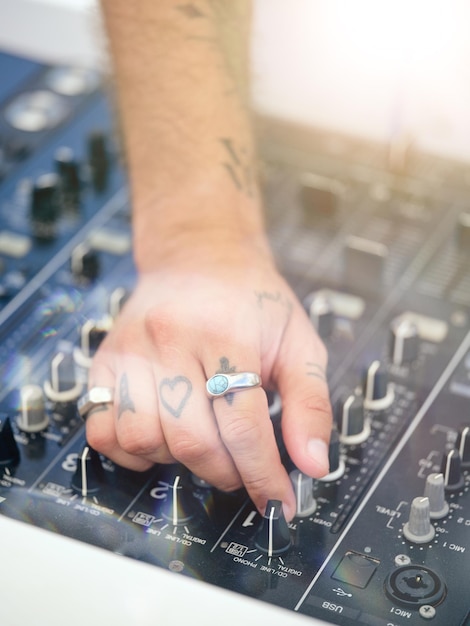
317	449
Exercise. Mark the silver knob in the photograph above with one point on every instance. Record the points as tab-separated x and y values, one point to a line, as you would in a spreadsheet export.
418	529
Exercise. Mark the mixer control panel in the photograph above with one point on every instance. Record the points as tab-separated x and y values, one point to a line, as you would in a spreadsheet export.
380	261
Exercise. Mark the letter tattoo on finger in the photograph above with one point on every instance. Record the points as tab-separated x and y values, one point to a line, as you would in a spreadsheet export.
175	393
125	401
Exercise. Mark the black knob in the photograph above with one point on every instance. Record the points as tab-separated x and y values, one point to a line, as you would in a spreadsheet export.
85	263
32	417
117	300
88	478
463	446
9	451
180	505
322	315
404	341
62	385
451	468
99	161
273	536
378	391
337	464
92	334
353	427
68	170
45	206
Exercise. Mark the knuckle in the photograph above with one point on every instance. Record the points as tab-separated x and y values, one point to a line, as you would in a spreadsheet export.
320	405
160	326
138	440
259	484
191	450
100	439
242	429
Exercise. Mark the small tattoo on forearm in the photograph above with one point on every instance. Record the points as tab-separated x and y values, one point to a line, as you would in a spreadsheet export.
125	401
238	166
316	370
175	393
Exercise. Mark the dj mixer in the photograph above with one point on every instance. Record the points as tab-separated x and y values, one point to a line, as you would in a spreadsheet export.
377	248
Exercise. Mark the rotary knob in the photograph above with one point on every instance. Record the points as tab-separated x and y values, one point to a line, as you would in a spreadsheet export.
273	536
353	426
9	451
69	175
180	505
92	334
451	468
404	343
88	478
463	446
85	263
32	417
63	385
45	206
418	529
99	161
322	315
378	391
303	489
435	492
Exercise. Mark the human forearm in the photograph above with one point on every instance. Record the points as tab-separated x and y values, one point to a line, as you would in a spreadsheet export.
186	129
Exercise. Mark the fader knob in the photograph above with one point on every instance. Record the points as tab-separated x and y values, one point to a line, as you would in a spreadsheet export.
45	207
63	385
418	529
88	478
404	342
32	417
353	427
378	391
322	315
435	492
451	468
337	464
9	451
463	446
85	263
273	537
303	489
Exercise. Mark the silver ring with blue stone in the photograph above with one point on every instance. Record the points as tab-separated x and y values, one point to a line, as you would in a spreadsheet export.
222	384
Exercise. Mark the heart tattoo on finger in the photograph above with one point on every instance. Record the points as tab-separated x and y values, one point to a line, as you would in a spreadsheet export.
174	393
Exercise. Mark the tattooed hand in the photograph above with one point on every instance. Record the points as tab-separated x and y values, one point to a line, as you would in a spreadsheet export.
181	327
209	298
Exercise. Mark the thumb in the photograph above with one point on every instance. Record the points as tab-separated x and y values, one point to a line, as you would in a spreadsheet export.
306	409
